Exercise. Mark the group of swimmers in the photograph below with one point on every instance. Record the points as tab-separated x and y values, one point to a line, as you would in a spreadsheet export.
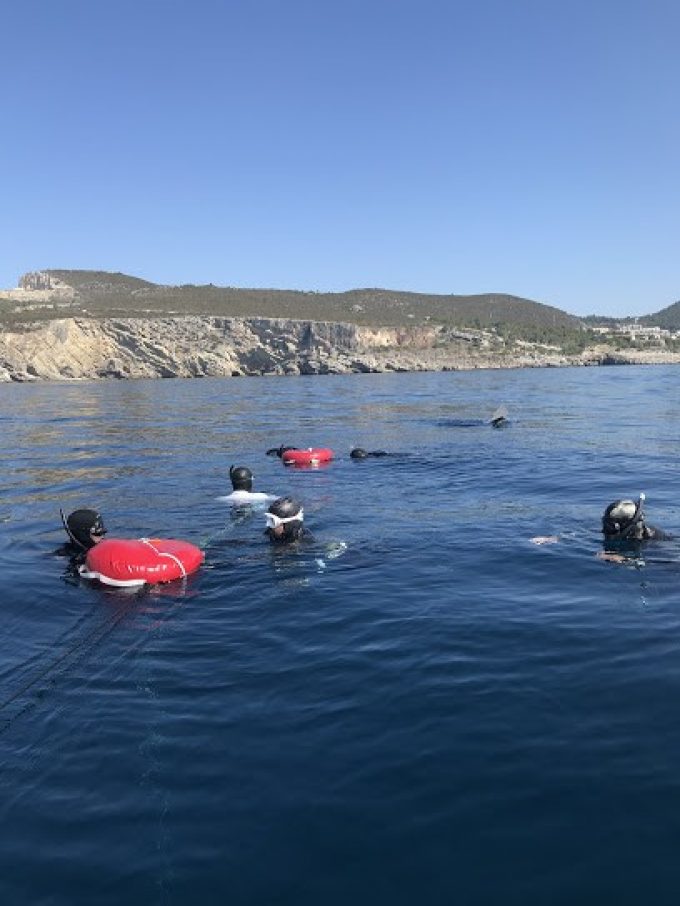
623	521
284	517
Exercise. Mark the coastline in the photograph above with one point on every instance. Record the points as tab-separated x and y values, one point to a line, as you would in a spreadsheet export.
69	349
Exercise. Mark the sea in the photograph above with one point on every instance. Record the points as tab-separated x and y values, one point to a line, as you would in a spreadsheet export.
419	705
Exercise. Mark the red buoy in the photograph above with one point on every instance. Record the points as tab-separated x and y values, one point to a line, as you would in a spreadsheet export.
124	562
313	456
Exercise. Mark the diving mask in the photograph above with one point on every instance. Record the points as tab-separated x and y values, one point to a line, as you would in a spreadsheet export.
274	521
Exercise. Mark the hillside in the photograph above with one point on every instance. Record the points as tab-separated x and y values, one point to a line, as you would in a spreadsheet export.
669	318
97	294
87	325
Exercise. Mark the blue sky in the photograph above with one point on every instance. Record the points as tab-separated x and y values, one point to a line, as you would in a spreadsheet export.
529	147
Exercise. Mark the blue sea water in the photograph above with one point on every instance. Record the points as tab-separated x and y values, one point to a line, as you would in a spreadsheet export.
419	706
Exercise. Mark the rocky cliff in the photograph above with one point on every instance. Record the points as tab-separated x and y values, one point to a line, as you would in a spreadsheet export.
75	325
80	348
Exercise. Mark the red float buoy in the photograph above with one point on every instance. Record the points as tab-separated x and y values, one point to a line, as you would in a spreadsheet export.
313	456
126	562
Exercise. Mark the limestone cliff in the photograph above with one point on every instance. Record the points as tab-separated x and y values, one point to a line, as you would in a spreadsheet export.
80	325
79	348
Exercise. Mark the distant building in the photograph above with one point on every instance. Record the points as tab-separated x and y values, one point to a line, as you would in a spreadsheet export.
635	332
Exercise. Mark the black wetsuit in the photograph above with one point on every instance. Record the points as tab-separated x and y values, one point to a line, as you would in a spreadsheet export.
76	558
640	533
358	453
632	544
279	451
651	533
289	536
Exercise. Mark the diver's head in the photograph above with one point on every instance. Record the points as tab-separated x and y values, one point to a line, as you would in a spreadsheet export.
358	453
241	478
279	451
624	519
85	528
284	519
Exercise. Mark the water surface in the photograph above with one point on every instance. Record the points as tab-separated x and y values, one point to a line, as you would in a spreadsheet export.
421	706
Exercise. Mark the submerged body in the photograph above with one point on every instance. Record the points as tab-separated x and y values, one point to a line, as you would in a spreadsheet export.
243	498
625	531
360	453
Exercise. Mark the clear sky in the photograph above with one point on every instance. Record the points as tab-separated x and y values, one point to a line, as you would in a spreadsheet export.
521	146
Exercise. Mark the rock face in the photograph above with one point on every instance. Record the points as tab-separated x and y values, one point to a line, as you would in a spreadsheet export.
78	348
84	349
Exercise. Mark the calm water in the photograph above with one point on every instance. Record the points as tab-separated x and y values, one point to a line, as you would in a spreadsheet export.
419	707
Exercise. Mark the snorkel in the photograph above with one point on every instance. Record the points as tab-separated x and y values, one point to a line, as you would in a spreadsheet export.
69	532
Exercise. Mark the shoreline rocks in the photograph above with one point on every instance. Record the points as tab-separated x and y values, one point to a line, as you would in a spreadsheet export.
191	346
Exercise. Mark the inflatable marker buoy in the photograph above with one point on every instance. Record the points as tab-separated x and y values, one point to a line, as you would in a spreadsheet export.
313	456
124	562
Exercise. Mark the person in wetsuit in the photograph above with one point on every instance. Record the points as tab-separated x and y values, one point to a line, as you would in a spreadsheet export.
242	484
624	521
625	530
360	453
499	418
279	451
85	528
285	521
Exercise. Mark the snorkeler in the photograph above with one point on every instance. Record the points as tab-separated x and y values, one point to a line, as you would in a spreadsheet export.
85	528
624	528
285	521
279	451
242	483
624	520
359	453
499	418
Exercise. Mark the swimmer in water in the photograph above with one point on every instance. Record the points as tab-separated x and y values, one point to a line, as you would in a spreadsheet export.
85	528
242	483
624	526
624	520
285	521
279	451
499	418
359	453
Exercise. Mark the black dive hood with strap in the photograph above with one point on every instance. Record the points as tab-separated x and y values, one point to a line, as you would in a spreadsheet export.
615	528
241	478
279	451
82	525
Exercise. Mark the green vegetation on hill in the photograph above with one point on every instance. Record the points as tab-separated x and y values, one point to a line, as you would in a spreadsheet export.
669	318
99	281
100	294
